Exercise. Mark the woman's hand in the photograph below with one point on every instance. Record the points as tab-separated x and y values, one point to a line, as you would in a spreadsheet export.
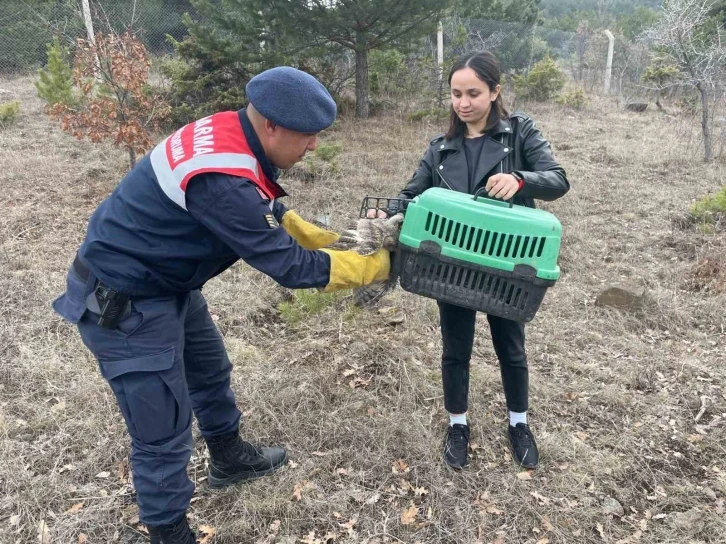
372	213
502	186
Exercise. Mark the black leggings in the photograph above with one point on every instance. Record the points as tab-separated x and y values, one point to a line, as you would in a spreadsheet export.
457	332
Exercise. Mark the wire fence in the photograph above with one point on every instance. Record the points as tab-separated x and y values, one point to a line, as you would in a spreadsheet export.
26	28
397	74
414	76
408	75
517	46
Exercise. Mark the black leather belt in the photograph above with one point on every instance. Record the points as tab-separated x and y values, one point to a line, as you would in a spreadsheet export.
81	270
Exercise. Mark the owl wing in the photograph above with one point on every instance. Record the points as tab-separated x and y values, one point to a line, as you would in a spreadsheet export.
369	295
348	240
370	236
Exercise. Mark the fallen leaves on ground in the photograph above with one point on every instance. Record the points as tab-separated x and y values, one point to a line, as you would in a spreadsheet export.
207	534
408	516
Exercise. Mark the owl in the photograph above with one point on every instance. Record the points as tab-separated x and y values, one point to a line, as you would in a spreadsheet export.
367	237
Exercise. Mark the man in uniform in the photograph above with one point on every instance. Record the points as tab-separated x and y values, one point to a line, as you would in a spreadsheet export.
204	198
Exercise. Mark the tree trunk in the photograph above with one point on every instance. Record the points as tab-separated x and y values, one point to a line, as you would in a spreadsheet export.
361	81
705	125
132	157
657	103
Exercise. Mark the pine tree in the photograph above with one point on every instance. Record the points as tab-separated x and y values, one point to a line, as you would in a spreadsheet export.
511	11
507	30
361	26
55	83
229	41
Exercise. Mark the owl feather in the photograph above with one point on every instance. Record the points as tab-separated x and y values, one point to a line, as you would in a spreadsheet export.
366	237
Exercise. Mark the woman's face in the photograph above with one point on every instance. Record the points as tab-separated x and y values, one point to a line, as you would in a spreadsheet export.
471	97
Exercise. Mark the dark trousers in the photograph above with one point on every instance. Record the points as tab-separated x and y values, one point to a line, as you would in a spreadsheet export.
457	332
163	362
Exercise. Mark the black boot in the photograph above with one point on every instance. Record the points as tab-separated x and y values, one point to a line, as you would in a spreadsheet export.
456	449
524	448
177	532
232	460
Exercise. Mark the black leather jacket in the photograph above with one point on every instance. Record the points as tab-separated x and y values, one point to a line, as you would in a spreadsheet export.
514	145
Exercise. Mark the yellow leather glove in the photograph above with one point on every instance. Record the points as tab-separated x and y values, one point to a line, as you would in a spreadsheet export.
349	269
306	234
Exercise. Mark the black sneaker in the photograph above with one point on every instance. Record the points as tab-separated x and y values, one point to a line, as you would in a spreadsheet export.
233	460
524	448
174	533
456	450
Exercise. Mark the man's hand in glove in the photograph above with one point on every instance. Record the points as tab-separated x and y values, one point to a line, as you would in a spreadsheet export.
349	269
306	234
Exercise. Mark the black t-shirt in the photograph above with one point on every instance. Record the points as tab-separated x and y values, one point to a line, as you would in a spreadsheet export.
472	150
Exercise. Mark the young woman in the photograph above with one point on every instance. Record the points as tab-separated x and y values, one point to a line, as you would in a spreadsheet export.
486	147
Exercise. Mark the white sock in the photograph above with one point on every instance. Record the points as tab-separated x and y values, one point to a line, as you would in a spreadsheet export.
457	419
517	417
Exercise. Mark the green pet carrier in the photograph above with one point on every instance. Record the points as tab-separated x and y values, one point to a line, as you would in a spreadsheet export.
479	253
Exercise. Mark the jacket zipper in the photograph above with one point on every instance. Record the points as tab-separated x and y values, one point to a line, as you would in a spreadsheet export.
446	182
501	163
501	168
444	179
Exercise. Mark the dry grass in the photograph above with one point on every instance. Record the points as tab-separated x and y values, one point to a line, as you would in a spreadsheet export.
615	397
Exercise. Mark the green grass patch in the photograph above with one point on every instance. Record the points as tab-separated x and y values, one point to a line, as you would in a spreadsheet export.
9	113
328	152
307	303
709	205
710	210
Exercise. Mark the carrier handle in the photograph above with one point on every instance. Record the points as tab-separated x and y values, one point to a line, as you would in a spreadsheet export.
492	201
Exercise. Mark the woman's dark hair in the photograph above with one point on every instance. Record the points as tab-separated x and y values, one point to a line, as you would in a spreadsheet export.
486	67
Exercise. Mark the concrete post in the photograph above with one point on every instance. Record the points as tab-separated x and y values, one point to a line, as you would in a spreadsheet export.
609	66
440	49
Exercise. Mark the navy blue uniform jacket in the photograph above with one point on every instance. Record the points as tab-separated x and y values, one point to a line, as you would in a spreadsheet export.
142	243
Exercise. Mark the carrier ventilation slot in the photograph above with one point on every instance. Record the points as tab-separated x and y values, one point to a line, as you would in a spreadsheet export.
486	242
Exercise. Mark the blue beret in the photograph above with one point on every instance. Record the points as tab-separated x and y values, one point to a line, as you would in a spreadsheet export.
292	99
